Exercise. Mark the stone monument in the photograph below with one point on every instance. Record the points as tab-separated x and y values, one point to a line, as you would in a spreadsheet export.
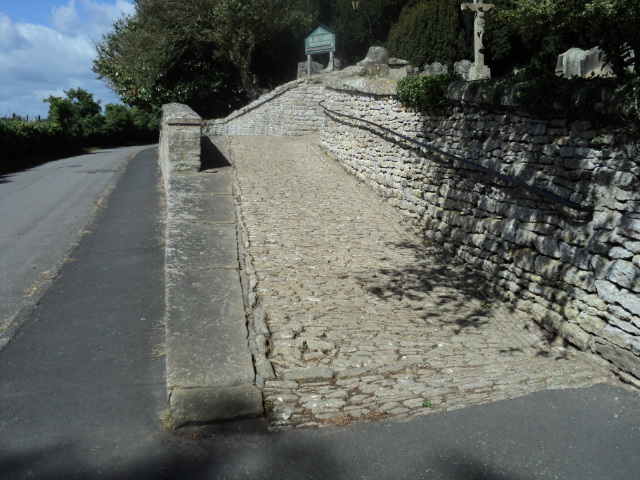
576	62
479	70
436	68
376	62
462	67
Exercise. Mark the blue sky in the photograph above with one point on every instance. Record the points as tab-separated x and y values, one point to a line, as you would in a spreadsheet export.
47	46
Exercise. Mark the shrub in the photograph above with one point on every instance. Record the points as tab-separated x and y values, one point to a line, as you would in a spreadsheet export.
426	93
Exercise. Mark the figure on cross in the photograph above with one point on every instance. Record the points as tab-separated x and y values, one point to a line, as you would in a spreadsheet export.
479	70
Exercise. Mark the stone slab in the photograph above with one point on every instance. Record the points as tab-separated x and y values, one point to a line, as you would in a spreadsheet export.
201	245
211	207
206	330
218	181
195	406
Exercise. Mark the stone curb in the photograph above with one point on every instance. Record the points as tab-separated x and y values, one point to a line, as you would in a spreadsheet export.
210	372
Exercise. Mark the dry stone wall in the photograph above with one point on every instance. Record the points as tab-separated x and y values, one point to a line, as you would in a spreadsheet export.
576	273
291	109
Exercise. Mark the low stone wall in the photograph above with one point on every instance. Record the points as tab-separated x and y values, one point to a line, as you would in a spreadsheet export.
576	273
179	139
291	109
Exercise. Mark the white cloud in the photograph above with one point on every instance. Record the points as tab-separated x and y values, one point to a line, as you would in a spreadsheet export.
66	19
37	61
10	38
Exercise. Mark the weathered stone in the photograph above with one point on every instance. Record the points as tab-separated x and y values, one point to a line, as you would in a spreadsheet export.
607	291
310	375
547	268
624	274
575	335
179	140
435	68
462	67
620	357
591	324
576	62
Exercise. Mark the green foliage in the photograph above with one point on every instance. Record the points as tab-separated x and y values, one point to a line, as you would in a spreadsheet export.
132	124
425	93
629	98
505	49
609	103
77	114
197	52
428	31
352	26
75	123
610	24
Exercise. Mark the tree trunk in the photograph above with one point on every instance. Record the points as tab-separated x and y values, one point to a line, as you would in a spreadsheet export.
247	83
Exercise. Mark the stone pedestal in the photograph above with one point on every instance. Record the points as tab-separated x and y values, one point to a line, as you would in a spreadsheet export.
479	72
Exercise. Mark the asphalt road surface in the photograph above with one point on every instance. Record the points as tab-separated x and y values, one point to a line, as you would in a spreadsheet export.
82	391
43	212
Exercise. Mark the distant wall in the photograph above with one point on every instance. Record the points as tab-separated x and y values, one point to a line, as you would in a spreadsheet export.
291	109
577	274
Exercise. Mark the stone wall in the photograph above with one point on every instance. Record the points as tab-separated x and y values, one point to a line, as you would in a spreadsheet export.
179	139
576	273
291	109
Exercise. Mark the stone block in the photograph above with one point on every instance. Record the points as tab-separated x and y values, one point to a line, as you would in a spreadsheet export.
592	324
547	268
621	358
310	375
201	245
624	274
200	406
525	259
546	317
579	278
547	246
206	330
576	336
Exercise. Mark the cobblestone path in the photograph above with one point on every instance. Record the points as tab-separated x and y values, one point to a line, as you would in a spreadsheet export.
367	322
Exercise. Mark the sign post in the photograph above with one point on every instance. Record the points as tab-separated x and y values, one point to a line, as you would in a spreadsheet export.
321	40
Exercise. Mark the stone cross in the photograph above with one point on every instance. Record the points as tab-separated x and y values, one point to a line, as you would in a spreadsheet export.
479	70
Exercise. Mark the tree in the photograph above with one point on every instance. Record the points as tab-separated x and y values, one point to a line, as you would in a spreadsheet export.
428	31
610	24
147	65
129	124
352	26
166	46
78	114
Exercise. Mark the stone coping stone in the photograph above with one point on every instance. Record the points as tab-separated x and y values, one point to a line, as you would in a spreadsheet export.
210	375
201	245
179	114
210	207
206	330
483	93
373	85
218	181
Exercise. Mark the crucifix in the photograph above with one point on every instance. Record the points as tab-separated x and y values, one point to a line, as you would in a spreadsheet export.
479	70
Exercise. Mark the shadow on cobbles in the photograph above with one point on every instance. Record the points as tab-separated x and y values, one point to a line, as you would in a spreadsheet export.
443	290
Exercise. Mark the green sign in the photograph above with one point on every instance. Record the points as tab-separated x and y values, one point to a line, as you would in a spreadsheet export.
321	40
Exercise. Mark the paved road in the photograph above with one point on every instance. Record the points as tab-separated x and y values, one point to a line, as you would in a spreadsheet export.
43	211
81	383
82	393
